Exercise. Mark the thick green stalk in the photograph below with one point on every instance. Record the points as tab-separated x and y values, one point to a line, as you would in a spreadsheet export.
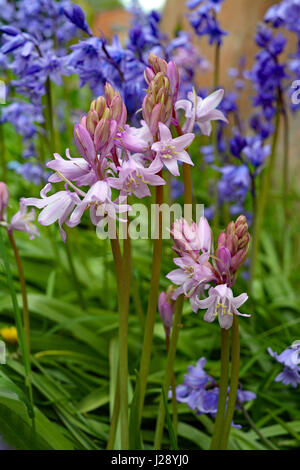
26	317
219	423
123	342
168	371
115	416
173	388
152	306
263	199
234	382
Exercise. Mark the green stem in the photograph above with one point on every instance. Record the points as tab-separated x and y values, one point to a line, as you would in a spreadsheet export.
20	331
123	341
115	416
263	199
217	66
219	423
234	382
74	276
152	307
49	117
168	371
173	388
285	188
26	317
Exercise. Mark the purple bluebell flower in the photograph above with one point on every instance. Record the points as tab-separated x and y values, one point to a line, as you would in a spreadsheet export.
75	14
290	358
201	392
256	152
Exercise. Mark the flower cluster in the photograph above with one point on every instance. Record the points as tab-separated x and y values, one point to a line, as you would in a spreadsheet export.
201	392
34	49
199	268
116	155
290	358
204	19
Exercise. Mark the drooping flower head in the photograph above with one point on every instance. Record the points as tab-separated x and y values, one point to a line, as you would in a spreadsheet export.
166	306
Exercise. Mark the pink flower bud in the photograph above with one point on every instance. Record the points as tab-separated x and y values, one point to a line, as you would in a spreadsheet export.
166	308
223	260
185	236
173	75
92	120
149	75
204	234
84	143
99	106
4	198
118	111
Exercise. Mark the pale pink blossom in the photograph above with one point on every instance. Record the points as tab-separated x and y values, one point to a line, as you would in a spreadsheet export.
170	151
223	305
201	111
23	220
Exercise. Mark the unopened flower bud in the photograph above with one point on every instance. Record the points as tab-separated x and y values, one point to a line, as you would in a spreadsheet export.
92	120
4	198
99	106
166	306
157	63
223	260
185	237
84	143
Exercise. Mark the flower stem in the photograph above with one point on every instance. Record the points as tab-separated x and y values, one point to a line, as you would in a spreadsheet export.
26	317
263	199
219	423
234	382
168	371
20	330
152	306
123	341
115	416
173	388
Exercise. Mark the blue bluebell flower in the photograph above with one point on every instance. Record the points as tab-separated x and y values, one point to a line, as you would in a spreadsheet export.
290	358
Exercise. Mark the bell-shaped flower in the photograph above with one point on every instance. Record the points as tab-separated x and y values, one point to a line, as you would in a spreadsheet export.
221	303
136	139
73	169
98	200
169	151
201	111
23	220
134	178
58	206
191	277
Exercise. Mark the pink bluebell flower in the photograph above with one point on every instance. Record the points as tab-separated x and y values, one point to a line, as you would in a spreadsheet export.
222	304
23	220
201	111
134	178
170	151
58	206
98	201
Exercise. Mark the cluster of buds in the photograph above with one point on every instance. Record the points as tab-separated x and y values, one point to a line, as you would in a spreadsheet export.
157	65
96	132
166	307
163	81
233	246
